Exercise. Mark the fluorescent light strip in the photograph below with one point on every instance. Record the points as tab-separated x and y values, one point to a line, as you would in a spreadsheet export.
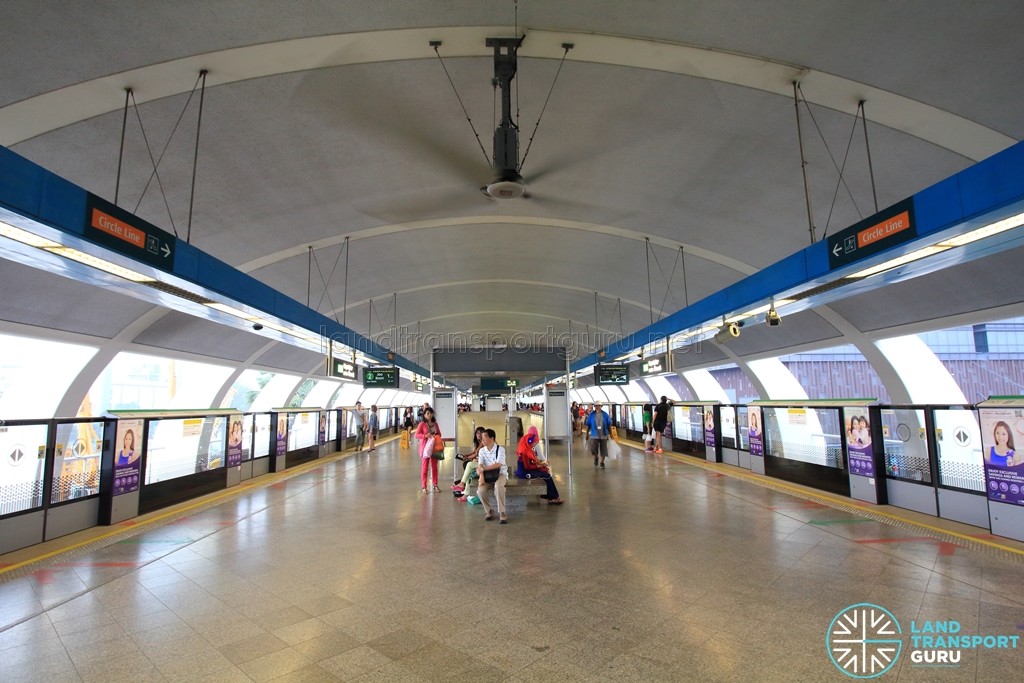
989	230
939	247
224	308
33	240
897	262
25	237
98	263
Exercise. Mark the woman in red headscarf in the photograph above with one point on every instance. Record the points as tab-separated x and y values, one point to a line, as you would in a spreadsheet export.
530	466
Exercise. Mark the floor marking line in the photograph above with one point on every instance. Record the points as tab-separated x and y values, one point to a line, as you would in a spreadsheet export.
768	482
176	512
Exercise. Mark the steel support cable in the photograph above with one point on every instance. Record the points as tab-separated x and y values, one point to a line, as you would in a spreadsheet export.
156	162
827	149
195	155
842	170
566	47
464	111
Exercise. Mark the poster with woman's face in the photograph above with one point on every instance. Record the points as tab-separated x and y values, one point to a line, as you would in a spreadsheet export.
234	450
858	445
755	435
282	434
709	428
1002	429
127	465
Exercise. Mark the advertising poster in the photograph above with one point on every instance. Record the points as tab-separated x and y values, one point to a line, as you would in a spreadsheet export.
321	434
127	463
282	434
234	449
858	446
1001	428
755	433
709	428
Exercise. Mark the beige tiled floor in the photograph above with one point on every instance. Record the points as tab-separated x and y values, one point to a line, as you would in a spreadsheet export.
657	569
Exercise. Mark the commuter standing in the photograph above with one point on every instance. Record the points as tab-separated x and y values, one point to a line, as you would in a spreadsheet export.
408	424
598	427
359	421
372	424
427	433
660	422
492	457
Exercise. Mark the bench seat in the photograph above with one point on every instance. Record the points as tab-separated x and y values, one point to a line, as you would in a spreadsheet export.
518	492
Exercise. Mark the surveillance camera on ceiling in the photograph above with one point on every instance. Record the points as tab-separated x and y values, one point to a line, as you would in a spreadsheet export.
728	333
773	318
257	327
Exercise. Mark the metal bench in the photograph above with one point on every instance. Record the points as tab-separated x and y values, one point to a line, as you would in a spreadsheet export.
518	492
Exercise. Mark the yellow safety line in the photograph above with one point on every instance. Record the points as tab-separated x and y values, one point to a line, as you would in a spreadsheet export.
765	481
178	511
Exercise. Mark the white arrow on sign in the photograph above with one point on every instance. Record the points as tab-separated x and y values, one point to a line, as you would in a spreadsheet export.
836	249
166	249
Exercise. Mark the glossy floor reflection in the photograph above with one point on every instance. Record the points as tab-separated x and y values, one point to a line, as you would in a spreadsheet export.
656	569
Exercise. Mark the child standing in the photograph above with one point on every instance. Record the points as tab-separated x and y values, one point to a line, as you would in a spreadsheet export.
648	439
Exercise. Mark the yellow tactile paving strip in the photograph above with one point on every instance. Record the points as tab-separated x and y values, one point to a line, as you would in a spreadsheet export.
42	555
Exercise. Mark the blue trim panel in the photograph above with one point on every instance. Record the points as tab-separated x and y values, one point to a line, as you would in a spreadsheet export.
34	192
964	201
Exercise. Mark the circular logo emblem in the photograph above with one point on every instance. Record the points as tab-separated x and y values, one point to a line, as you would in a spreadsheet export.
863	640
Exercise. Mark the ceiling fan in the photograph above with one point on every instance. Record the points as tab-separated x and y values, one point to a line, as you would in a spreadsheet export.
508	184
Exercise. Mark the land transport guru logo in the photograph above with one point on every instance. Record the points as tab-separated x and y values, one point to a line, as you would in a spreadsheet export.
865	641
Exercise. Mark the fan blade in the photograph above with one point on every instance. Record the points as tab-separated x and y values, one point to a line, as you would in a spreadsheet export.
380	106
427	204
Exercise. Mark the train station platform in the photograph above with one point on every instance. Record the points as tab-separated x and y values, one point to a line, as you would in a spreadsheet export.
658	568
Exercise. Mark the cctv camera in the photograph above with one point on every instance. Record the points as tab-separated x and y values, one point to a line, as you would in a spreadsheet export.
773	318
257	327
727	333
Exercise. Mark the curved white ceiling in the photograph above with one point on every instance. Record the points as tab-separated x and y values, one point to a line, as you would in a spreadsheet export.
25	119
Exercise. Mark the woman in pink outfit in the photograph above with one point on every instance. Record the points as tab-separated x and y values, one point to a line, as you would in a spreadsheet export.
427	433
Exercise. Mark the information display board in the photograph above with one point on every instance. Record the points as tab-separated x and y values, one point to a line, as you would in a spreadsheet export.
608	374
380	377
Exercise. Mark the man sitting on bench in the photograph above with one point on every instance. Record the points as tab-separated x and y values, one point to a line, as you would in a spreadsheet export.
529	466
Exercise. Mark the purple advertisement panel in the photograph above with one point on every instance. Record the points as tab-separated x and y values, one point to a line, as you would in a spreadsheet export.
709	428
858	446
234	449
1004	464
127	466
281	446
755	435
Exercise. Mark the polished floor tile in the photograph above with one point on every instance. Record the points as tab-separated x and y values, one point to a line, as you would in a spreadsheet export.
658	568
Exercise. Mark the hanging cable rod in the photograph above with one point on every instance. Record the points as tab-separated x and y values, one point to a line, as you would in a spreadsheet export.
436	44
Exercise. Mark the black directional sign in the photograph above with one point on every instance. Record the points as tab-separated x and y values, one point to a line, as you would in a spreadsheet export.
118	230
885	229
962	436
342	369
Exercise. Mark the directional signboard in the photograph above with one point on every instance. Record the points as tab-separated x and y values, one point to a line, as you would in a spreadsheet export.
885	229
120	231
380	377
655	365
605	373
342	369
